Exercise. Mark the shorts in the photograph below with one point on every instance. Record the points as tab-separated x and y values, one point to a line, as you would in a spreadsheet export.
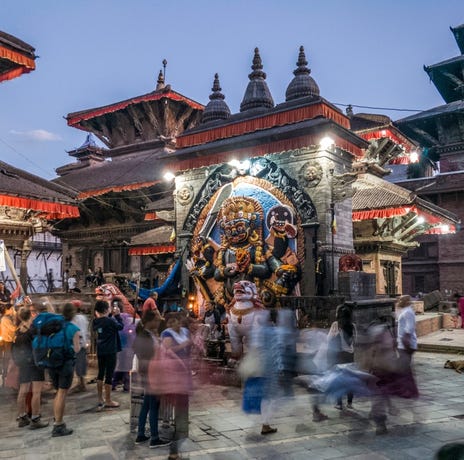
62	377
30	373
81	362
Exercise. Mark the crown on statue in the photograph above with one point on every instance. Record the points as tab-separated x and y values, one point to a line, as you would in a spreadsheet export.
238	208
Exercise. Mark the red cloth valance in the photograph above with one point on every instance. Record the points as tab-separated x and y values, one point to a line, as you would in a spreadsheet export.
76	119
14	73
116	188
27	64
49	210
399	161
150	250
440	230
394	136
264	122
382	213
150	216
259	150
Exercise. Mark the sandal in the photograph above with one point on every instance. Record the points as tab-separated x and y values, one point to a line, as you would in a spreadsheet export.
112	405
100	407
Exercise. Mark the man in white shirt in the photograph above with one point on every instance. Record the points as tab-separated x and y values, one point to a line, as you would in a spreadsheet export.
82	322
407	345
72	284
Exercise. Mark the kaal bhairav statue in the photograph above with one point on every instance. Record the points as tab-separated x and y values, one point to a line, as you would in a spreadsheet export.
242	254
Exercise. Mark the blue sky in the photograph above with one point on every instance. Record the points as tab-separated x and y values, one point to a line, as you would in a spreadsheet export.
98	52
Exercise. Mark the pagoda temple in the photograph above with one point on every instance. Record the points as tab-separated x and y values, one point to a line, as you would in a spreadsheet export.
277	193
439	262
310	167
123	198
28	203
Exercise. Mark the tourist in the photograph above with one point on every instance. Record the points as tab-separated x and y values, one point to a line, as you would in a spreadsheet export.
460	304
99	278
341	341
31	378
177	339
5	297
7	334
107	325
146	342
126	355
81	321
62	376
407	344
72	284
150	303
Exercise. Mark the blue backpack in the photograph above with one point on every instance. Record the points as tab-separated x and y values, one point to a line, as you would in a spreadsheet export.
50	346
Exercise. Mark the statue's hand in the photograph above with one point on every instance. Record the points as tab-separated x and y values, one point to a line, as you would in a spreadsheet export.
230	270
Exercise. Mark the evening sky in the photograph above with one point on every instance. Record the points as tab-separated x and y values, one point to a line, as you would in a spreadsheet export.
93	53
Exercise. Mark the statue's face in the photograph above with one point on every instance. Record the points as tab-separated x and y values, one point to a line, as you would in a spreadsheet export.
310	173
237	231
244	290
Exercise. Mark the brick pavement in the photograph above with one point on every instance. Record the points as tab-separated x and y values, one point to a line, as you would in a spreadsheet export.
219	430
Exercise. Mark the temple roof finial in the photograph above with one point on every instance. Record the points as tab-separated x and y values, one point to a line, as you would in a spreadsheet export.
160	83
349	110
257	94
216	109
303	84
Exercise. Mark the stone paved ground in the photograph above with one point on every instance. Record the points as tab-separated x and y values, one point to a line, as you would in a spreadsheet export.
219	430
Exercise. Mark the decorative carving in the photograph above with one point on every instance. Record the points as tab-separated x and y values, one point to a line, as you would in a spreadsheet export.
260	168
350	263
184	195
310	174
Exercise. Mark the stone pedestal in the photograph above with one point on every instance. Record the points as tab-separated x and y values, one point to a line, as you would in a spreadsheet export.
356	285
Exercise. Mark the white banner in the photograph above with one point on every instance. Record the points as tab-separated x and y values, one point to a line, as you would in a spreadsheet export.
2	256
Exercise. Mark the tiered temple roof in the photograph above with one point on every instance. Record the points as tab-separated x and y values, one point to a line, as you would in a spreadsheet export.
16	57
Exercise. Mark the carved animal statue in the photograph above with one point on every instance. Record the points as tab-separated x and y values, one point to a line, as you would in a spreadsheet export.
350	263
458	366
241	315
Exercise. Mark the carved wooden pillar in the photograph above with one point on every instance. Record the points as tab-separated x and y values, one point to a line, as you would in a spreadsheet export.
25	251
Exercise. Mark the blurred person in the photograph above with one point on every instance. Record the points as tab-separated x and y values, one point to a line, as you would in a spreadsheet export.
146	342
177	339
31	378
72	284
450	451
7	334
5	297
264	351
460	304
124	357
50	281
99	278
341	341
407	344
61	376
108	345
89	278
150	303
80	368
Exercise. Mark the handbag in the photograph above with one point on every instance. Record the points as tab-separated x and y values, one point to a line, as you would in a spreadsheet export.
251	365
168	374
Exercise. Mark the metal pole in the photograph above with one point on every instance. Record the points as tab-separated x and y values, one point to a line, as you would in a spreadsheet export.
9	262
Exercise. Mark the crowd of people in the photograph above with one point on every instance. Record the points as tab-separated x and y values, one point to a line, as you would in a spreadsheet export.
346	362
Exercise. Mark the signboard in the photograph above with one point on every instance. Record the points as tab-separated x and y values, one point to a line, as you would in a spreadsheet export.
2	256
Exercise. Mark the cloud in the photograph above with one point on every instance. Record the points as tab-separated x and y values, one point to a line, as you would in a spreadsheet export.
38	135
